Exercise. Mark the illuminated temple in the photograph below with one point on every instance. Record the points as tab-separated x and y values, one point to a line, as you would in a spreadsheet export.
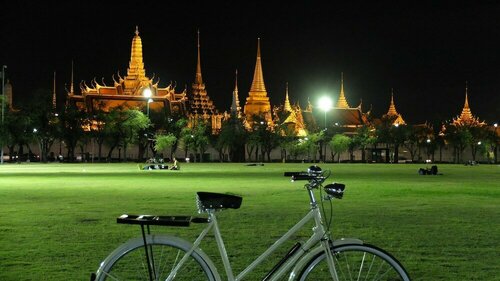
466	118
131	90
201	107
257	102
392	114
344	116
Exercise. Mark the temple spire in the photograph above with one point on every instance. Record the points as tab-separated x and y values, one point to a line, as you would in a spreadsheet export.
136	65
342	102
466	112
71	87
198	79
257	102
258	76
392	108
235	105
288	107
54	93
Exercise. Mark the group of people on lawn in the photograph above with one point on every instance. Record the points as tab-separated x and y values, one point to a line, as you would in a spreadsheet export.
158	164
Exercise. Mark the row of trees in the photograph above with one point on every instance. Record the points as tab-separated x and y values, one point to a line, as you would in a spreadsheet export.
162	133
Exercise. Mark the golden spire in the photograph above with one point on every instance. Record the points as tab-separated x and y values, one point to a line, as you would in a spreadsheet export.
288	107
198	79
392	108
54	93
136	65
258	77
342	102
71	88
257	102
235	106
466	113
393	113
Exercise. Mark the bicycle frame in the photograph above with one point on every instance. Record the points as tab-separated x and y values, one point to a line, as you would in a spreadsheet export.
320	234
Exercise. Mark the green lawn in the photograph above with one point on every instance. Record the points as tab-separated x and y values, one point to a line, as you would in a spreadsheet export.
57	221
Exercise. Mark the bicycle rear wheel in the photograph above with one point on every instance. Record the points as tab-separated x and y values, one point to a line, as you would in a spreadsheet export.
129	262
356	262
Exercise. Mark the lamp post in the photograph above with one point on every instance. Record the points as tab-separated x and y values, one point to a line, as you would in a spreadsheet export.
3	107
325	104
147	94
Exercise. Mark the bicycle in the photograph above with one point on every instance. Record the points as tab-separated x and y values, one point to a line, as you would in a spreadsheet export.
165	257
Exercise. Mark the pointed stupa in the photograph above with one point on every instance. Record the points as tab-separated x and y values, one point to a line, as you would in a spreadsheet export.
342	102
54	101
136	81
466	112
198	79
393	113
200	100
392	108
235	105
257	102
287	107
71	87
466	118
136	64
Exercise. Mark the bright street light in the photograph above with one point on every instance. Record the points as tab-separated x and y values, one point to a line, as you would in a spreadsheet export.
147	93
325	104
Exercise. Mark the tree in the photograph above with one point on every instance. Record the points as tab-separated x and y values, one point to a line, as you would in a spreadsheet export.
364	137
339	144
73	122
196	139
231	139
45	124
163	142
122	128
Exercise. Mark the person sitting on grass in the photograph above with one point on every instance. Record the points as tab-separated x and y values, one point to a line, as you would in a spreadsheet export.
175	165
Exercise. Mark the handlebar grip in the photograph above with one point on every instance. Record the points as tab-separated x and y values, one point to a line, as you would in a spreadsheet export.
302	177
291	174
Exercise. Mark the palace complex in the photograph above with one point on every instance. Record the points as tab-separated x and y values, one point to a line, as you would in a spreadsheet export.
139	91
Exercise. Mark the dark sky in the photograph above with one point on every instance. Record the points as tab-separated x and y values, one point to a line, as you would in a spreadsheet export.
425	50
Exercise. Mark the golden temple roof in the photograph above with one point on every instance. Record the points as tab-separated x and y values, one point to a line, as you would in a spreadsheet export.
287	106
392	112
466	117
342	102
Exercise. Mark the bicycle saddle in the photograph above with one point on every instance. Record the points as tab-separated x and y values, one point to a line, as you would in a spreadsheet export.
210	200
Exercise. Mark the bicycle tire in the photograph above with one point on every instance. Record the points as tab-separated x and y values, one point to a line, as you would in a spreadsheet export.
355	262
128	262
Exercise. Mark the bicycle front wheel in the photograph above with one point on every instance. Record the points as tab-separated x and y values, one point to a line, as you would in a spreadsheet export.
356	262
129	262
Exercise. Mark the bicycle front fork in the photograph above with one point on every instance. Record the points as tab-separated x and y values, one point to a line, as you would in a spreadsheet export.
328	246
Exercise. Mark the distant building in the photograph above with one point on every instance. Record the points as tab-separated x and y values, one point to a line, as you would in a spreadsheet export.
130	91
257	102
466	119
201	107
346	117
392	114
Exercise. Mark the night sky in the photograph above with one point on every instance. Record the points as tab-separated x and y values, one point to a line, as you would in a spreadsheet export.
425	51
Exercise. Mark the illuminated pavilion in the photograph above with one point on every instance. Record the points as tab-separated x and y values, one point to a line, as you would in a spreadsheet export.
290	117
392	113
129	91
344	116
466	119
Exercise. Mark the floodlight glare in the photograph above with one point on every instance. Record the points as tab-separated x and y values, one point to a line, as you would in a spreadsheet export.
325	103
147	93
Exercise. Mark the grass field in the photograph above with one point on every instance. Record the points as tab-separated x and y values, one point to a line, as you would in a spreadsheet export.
57	221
